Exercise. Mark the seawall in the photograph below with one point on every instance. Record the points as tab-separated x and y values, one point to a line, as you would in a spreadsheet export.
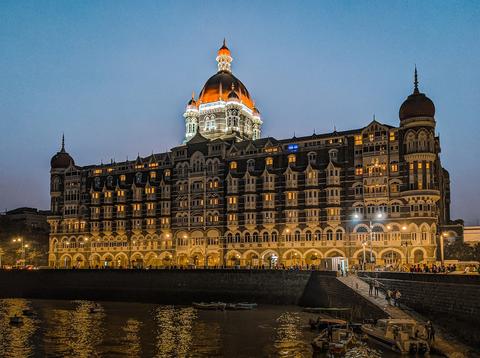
453	301
286	287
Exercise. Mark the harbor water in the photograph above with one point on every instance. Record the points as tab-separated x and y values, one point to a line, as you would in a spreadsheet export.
80	329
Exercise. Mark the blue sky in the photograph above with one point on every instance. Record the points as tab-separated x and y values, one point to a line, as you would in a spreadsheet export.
115	76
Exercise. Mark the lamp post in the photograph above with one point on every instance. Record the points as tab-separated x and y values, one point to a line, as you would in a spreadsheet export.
20	241
379	215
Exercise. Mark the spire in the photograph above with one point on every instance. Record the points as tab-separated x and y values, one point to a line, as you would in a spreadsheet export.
63	143
224	58
415	81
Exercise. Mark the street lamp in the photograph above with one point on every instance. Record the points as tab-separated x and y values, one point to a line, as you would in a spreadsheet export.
379	215
22	246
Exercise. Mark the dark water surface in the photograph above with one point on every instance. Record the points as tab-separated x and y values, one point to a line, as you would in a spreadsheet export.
70	329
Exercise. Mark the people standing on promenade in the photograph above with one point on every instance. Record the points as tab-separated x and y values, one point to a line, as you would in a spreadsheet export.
376	285
397	296
430	332
370	287
388	296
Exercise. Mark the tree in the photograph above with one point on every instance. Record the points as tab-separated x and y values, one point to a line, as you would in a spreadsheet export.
458	250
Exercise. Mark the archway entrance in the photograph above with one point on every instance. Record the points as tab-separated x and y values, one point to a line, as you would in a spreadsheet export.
270	260
418	257
292	259
391	258
252	260
312	259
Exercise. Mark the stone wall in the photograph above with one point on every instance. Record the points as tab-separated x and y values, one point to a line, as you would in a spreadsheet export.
453	301
286	287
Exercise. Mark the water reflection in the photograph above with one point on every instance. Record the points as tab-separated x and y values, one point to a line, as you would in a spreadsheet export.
74	333
289	341
16	339
174	331
131	343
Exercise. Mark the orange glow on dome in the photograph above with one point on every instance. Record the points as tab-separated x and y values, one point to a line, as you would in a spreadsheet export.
219	85
223	50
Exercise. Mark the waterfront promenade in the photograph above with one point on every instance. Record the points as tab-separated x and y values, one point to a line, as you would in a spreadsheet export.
444	343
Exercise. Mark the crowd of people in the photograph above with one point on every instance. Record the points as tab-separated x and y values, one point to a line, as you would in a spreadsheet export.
433	268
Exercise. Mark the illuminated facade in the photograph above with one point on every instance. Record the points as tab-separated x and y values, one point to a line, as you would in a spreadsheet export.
227	197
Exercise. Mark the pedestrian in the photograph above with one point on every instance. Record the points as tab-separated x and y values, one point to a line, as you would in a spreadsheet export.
376	285
370	287
388	296
330	332
397	298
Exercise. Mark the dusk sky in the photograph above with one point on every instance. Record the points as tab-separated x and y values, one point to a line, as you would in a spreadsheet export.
115	77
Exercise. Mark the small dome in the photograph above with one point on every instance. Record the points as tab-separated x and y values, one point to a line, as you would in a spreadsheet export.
62	159
417	104
192	103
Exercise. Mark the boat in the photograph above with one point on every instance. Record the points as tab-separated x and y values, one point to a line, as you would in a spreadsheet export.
96	308
325	309
342	339
321	323
241	306
404	336
28	312
16	320
212	306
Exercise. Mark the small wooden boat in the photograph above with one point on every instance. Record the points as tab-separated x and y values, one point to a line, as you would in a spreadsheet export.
322	323
15	320
95	308
400	335
241	306
28	312
341	340
212	306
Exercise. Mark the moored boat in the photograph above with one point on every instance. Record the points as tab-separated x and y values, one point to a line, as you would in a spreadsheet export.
338	343
321	323
403	336
16	320
212	306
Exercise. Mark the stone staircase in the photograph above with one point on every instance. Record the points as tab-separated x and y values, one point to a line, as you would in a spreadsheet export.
444	343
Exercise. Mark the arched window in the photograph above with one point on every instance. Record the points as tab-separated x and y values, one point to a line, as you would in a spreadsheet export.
247	237
329	235
233	165
292	159
251	164
308	236
274	236
339	235
297	236
312	156
255	237
318	236
237	237
265	237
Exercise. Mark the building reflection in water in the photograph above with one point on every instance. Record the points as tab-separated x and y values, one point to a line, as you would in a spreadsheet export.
76	333
16	340
131	345
288	340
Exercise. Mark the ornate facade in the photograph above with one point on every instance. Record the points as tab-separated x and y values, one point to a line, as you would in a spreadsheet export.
227	197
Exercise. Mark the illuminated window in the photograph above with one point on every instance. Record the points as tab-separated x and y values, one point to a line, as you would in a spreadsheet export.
359	171
358	140
167	172
150	221
292	158
233	165
123	177
427	165
291	195
97	171
394	167
120	208
153	175
268	197
108	194
149	190
420	165
371	137
420	184
121	193
232	200
215	183
392	136
110	170
153	165
137	207
269	161
95	195
411	166
150	206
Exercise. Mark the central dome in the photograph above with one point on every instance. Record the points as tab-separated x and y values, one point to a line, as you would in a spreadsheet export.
220	85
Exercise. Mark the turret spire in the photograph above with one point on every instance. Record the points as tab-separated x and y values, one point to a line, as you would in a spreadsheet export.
63	143
415	81
224	58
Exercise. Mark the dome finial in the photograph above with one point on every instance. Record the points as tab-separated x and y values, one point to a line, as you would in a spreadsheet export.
224	58
63	143
415	81
193	95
